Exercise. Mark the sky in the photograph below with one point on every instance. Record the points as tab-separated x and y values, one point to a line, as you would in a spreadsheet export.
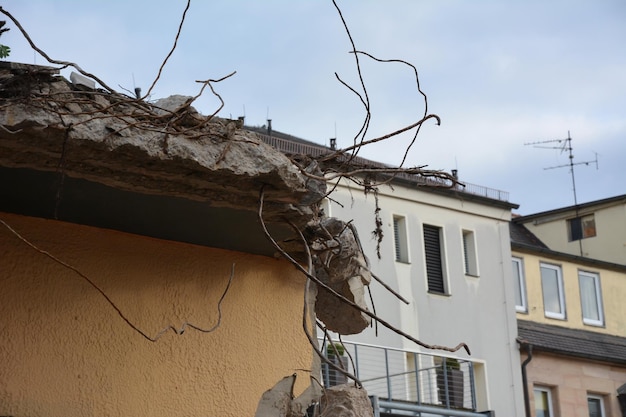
500	74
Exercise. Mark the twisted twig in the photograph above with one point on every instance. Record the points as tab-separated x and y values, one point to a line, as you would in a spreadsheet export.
343	299
178	331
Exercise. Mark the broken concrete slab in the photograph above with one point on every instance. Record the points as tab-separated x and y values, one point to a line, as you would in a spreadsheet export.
121	142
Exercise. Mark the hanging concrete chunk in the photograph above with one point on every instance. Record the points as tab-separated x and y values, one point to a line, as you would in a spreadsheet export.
339	262
345	401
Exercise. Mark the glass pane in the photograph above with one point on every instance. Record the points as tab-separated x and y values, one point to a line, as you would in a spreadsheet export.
550	287
588	226
589	298
595	409
517	287
542	406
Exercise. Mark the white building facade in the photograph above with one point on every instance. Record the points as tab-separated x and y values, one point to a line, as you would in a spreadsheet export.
448	253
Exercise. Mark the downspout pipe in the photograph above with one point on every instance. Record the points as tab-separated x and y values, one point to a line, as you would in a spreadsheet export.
529	349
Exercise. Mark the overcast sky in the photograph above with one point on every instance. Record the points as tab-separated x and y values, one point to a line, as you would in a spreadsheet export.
500	74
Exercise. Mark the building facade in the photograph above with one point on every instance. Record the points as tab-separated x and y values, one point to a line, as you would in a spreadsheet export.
446	251
595	230
572	328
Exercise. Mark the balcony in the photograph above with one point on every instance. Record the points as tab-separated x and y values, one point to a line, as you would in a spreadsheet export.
407	383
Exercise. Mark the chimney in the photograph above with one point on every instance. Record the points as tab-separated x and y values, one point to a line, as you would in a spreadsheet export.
138	92
455	174
333	143
269	127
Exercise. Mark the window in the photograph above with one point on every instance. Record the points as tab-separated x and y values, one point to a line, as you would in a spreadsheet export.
595	404
400	239
552	287
581	227
469	253
543	402
433	252
519	285
590	298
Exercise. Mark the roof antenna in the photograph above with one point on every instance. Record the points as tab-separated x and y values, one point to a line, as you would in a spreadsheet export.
566	146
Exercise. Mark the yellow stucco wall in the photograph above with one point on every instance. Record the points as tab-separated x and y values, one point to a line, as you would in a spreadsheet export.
64	351
571	380
611	283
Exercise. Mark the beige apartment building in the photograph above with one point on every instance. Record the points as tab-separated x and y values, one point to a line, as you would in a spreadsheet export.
571	323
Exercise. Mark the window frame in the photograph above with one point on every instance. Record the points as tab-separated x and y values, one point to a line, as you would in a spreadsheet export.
576	229
549	397
560	291
400	239
598	298
520	283
470	253
600	399
430	262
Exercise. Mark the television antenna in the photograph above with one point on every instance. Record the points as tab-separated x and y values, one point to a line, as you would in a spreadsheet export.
566	146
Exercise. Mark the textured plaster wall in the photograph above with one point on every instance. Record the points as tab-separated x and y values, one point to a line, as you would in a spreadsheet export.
64	351
572	380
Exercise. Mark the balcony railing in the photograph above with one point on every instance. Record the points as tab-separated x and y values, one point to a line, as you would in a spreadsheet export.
291	147
403	381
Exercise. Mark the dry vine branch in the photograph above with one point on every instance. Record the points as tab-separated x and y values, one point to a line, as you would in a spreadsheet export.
341	297
50	60
419	89
306	313
149	119
135	113
365	101
178	331
180	28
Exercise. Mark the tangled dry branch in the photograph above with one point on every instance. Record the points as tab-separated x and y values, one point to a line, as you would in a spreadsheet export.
343	164
177	330
343	299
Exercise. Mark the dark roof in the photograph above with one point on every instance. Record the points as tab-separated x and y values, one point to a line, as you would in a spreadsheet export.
524	240
291	145
610	200
572	342
522	236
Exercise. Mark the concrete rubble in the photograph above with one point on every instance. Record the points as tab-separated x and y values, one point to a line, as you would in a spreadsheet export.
345	401
167	148
339	262
132	145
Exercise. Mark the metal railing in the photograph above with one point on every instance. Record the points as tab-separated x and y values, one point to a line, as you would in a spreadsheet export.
291	147
409	380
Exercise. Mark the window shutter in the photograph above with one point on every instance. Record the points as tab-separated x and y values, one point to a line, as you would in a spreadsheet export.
576	229
432	250
466	254
396	237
